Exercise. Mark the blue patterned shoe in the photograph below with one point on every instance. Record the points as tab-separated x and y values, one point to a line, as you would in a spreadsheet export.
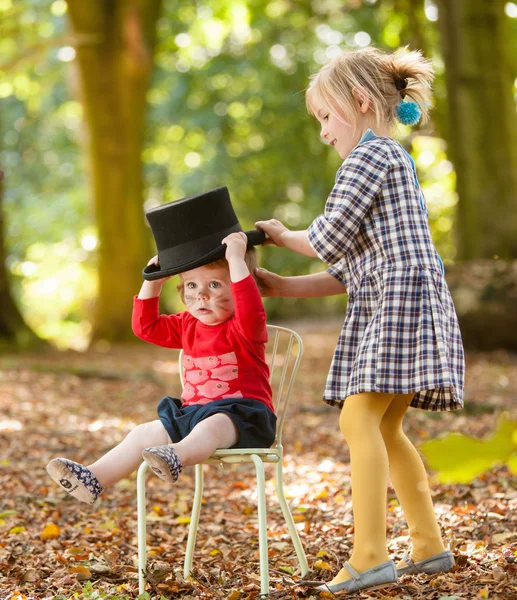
164	461
75	479
439	563
380	575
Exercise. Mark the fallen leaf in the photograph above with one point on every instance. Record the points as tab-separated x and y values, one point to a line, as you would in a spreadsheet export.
51	531
183	520
16	530
321	564
82	573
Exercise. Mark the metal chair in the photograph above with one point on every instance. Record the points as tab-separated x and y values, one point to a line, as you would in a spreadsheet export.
285	350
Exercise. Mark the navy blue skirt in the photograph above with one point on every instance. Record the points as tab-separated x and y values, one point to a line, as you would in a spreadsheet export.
255	422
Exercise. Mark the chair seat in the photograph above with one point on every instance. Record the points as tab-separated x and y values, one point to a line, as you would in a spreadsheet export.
236	455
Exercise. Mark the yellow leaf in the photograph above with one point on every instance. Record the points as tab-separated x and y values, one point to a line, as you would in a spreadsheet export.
76	550
321	564
249	510
50	532
322	494
322	553
233	595
83	573
15	530
287	569
108	526
483	593
458	458
158	510
215	552
183	520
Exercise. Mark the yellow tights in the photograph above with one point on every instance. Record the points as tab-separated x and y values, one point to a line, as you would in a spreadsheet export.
372	426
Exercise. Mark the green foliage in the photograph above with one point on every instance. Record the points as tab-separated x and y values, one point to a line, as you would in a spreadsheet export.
226	106
438	181
46	209
458	458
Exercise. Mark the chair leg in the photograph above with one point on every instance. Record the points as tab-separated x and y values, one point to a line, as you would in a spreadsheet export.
194	521
261	509
302	559
141	514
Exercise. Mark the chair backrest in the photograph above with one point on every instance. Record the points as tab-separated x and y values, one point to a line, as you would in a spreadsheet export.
283	353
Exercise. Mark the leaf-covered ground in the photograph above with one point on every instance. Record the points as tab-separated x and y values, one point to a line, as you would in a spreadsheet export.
80	405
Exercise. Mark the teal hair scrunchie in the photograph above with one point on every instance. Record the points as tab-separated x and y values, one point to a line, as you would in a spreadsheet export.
408	113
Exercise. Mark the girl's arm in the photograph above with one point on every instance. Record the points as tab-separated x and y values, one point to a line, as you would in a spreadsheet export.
316	285
281	236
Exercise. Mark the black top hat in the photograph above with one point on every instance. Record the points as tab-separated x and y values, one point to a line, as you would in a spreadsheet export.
188	232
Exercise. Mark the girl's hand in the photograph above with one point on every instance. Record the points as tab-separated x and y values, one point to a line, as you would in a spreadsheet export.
269	284
274	230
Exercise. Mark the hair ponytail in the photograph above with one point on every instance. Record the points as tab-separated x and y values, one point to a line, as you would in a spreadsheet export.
412	77
400	80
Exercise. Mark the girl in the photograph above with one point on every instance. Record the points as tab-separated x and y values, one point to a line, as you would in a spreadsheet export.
400	345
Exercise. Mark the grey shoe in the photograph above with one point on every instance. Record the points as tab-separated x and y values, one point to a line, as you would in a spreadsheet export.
439	563
384	573
76	479
164	461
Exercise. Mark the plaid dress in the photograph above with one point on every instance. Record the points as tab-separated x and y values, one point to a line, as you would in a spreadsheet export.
401	332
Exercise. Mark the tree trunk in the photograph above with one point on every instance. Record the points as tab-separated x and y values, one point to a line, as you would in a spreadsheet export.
479	71
15	334
115	41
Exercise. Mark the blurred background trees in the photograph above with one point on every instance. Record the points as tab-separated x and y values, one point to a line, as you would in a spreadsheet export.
114	44
110	108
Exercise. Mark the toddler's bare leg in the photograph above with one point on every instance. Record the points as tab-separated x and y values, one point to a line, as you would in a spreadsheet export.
217	431
125	458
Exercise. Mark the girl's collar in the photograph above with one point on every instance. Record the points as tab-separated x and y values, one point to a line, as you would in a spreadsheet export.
367	136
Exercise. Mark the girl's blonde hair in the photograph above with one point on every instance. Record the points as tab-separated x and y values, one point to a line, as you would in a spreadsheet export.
250	258
386	79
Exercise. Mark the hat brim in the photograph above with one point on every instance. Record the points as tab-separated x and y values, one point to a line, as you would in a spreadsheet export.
256	237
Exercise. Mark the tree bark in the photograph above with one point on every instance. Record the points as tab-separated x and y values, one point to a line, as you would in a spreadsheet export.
115	41
482	134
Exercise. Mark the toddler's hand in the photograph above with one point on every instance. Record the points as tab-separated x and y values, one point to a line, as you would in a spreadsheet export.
269	284
154	261
236	244
274	230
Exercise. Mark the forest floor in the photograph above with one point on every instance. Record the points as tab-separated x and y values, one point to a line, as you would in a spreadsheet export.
80	405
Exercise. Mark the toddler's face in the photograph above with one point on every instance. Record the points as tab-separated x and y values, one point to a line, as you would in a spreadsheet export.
207	294
342	136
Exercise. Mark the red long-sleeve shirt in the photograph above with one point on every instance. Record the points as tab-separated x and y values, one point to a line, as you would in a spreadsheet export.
220	361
